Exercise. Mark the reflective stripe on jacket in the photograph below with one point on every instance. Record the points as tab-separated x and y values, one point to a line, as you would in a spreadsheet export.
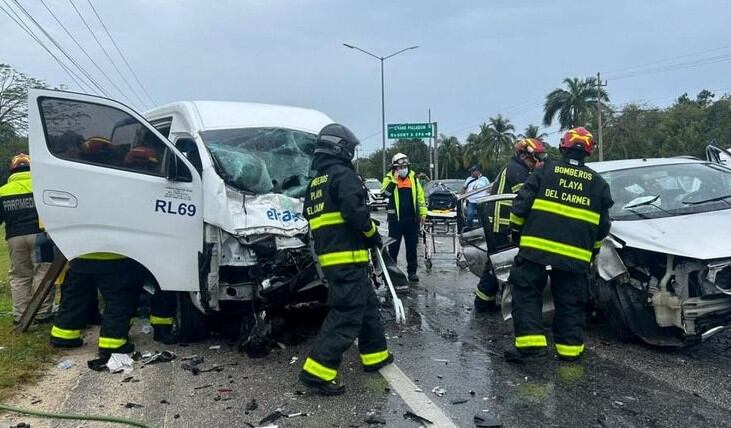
17	208
509	180
562	212
417	194
335	208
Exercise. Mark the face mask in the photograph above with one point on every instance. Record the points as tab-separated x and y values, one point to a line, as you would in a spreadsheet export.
403	172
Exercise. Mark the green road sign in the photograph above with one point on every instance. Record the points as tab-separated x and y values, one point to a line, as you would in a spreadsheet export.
409	130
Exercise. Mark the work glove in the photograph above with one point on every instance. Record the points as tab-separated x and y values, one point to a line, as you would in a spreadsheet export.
375	241
515	236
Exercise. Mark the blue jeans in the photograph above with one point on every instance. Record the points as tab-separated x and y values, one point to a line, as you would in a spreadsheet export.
471	214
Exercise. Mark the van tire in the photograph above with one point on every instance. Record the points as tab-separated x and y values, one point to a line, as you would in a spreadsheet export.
191	322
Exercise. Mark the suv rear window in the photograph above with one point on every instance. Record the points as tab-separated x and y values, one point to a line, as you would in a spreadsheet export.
100	135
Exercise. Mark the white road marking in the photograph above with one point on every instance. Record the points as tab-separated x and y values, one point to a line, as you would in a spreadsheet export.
419	402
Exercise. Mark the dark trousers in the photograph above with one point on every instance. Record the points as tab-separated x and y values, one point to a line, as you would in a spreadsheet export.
353	313
162	308
119	290
488	285
570	296
408	228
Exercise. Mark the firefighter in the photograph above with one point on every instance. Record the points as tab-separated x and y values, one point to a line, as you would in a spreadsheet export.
559	218
162	315
22	231
118	280
342	229
406	210
529	154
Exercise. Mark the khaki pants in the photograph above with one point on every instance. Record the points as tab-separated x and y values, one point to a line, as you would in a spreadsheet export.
25	276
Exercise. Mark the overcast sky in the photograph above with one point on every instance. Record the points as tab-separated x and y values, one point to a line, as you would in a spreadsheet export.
476	58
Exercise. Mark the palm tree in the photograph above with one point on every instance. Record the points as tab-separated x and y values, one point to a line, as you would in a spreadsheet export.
477	148
533	131
450	154
573	105
501	137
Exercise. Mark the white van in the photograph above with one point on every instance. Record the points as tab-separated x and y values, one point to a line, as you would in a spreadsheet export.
206	195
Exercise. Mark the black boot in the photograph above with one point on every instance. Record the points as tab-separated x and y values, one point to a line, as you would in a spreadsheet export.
376	367
486	306
127	348
66	343
413	277
164	334
526	355
322	387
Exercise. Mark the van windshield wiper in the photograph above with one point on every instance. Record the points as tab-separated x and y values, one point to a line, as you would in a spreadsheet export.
717	198
645	201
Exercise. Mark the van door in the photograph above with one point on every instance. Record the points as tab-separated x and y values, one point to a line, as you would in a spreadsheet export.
105	180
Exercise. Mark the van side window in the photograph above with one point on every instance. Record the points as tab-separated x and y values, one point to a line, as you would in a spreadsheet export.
163	126
100	135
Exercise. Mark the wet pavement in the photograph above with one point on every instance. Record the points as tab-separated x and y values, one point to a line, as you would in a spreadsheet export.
443	346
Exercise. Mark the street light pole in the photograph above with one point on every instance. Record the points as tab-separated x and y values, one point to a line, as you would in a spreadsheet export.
383	95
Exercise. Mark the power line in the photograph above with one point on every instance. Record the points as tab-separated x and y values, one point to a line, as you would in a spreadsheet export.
124	79
61	49
121	54
623	70
83	50
673	67
77	80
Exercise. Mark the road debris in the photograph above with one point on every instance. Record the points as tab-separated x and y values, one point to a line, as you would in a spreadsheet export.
373	419
214	347
416	418
65	364
159	357
482	421
131	405
272	417
203	386
251	405
21	425
439	391
293	360
120	363
459	401
98	364
441	360
224	394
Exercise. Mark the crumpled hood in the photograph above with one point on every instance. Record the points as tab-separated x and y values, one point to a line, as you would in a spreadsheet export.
702	236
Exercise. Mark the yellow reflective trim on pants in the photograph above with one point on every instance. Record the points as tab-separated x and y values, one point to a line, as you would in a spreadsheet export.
566	211
531	341
517	219
62	333
371	231
318	370
327	219
374	358
597	245
161	320
111	342
569	350
343	258
555	248
483	296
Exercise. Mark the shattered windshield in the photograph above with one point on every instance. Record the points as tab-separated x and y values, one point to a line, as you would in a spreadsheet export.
669	190
262	160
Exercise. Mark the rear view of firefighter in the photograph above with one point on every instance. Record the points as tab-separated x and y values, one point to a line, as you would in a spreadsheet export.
119	281
342	229
529	153
22	231
560	217
406	210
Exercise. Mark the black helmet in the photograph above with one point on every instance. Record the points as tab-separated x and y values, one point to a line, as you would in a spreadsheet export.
338	141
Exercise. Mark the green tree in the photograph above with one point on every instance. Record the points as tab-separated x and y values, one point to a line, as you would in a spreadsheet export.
450	156
477	148
14	87
533	131
501	138
575	105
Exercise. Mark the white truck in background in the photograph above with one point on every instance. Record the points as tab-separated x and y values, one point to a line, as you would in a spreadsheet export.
206	195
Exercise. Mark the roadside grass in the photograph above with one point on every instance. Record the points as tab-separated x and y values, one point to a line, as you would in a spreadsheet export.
23	356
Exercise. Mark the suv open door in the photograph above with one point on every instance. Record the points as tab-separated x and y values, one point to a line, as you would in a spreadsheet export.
104	180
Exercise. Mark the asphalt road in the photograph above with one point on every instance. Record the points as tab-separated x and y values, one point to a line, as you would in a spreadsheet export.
443	345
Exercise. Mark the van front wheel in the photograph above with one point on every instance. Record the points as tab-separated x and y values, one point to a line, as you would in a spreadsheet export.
191	322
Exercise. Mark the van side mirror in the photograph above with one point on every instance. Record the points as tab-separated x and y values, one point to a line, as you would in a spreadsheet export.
177	170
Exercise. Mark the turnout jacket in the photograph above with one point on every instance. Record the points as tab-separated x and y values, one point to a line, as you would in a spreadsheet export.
17	208
509	180
562	213
335	208
390	189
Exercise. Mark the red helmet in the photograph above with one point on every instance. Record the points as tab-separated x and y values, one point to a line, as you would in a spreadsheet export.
533	147
578	138
96	145
141	154
19	160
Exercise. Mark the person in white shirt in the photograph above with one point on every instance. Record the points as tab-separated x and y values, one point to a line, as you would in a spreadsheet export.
475	181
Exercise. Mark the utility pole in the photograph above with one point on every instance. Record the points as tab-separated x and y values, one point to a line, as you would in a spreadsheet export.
436	150
599	86
357	160
431	152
